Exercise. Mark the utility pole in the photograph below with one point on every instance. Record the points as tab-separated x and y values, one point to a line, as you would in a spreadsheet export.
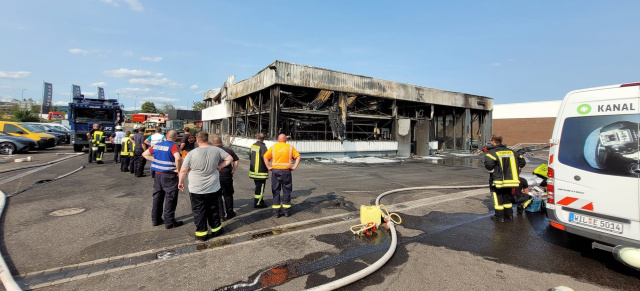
23	94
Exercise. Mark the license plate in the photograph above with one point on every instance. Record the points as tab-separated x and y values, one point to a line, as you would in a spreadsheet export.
598	223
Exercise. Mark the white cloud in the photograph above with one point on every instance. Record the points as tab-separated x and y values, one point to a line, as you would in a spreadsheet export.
193	87
14	75
99	84
134	5
199	92
77	51
61	103
89	94
133	91
127	54
126	73
164	82
158	99
496	64
151	59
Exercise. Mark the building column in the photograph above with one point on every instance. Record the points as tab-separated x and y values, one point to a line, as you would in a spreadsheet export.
274	96
467	129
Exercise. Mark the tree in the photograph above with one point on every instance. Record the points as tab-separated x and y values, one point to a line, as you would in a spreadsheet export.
166	107
198	105
148	107
53	108
36	108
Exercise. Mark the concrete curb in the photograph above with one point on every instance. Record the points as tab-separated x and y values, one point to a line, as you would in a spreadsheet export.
5	275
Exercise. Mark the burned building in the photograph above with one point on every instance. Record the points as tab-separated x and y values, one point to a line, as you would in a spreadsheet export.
333	113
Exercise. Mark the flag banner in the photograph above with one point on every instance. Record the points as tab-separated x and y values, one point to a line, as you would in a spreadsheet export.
75	91
100	93
47	97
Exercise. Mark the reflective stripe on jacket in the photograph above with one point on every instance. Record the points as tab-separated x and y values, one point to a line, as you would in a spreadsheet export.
98	138
281	155
504	166
257	168
163	159
127	146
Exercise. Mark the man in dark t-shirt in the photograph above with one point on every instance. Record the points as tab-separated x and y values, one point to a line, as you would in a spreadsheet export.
138	149
226	181
187	143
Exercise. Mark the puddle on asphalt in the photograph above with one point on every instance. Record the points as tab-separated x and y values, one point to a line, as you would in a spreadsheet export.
357	246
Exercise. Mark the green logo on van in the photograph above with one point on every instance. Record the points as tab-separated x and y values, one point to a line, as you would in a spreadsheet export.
584	109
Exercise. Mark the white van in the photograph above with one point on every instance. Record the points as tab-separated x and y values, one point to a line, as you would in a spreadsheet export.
594	169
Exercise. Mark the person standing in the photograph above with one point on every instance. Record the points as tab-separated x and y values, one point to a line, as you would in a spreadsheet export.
126	152
504	166
98	142
90	138
165	162
188	142
203	165
132	161
258	170
116	140
139	148
225	201
281	155
153	140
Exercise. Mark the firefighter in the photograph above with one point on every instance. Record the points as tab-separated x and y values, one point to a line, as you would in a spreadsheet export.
89	138
116	140
281	155
504	166
258	170
126	144
131	160
98	142
139	148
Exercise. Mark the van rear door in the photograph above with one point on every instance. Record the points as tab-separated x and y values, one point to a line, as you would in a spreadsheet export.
597	174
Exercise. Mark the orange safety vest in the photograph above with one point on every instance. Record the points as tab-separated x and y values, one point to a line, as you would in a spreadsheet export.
281	155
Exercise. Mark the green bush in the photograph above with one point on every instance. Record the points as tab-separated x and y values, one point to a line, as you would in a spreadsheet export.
24	116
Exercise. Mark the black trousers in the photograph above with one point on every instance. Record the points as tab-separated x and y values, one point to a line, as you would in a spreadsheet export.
117	148
165	198
502	202
281	179
258	199
139	163
132	164
225	201
99	154
125	160
205	210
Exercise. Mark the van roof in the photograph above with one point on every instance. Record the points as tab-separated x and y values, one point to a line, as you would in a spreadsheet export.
605	87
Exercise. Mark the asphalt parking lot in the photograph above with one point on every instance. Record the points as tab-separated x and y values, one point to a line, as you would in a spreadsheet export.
92	230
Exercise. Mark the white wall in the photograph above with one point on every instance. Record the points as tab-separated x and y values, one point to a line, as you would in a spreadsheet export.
216	112
526	110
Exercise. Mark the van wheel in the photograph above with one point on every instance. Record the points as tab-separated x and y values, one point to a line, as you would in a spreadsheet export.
7	148
77	148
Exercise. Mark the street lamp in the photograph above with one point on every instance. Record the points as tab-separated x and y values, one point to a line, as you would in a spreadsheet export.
23	94
135	105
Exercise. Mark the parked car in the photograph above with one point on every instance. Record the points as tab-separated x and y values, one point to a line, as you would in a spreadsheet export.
60	136
10	144
55	128
42	139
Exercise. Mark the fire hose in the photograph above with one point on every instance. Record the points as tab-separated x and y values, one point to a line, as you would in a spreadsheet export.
394	240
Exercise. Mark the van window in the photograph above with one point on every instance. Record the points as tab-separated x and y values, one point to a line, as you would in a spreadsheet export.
601	144
10	128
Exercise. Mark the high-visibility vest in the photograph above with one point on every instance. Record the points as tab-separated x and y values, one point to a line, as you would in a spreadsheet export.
281	155
257	168
98	138
127	146
163	159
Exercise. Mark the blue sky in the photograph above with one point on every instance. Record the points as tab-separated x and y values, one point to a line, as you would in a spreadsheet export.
173	51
